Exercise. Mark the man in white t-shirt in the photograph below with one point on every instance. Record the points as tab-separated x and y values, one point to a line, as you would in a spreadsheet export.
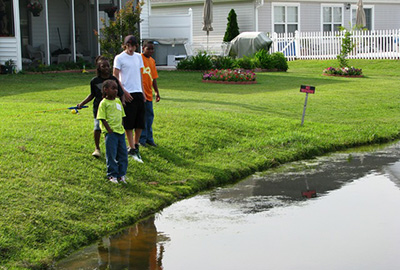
127	68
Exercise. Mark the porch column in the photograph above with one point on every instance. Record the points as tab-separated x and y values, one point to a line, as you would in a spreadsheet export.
73	44
17	33
46	32
96	3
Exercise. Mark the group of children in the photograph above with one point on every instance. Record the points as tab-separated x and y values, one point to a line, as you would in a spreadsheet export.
123	105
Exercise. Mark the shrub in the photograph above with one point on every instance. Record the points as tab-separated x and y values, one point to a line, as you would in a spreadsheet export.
246	63
279	61
223	62
201	61
185	64
232	27
264	59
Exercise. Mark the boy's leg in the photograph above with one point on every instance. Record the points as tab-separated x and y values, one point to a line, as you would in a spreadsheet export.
111	154
129	136
97	135
147	133
129	122
122	156
136	138
149	123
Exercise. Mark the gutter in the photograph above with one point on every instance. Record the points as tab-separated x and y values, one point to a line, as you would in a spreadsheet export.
192	3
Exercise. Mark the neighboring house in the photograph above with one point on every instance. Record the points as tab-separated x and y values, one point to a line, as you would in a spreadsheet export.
283	16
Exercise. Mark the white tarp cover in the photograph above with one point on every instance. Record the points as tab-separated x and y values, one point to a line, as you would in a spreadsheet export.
248	43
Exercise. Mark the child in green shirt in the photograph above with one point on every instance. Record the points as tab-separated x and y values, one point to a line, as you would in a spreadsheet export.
110	114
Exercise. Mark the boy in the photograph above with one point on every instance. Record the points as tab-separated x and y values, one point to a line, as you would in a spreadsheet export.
149	77
110	114
127	68
103	74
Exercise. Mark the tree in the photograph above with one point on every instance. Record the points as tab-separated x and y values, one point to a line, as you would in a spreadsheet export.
347	47
232	28
126	23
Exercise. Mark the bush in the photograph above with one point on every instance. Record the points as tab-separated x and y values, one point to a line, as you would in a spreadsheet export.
279	61
261	59
246	63
264	59
232	27
201	61
223	62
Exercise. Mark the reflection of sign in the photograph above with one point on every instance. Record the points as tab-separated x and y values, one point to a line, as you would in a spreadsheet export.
307	89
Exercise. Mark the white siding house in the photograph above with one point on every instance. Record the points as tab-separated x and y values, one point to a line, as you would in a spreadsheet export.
284	15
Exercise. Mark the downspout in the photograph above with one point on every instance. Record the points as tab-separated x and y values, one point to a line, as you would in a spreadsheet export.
259	3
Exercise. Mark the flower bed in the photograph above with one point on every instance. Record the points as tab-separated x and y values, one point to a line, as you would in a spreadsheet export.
230	76
343	72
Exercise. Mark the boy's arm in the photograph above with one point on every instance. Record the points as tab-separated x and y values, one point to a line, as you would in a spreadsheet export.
107	126
155	86
127	96
86	100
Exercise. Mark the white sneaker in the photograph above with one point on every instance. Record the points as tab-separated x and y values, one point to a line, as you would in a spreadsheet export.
96	153
113	179
137	158
122	179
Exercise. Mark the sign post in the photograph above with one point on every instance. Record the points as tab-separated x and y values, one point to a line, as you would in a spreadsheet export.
308	90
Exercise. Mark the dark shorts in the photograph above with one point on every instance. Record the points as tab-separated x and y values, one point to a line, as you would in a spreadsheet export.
134	111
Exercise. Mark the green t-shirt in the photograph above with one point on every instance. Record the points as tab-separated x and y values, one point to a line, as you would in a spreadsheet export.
112	111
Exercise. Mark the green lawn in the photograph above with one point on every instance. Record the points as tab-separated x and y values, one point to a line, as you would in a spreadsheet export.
55	197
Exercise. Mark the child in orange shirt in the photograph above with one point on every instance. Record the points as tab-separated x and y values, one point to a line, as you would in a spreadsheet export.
149	78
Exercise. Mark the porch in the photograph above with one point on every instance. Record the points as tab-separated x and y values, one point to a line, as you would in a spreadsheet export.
51	32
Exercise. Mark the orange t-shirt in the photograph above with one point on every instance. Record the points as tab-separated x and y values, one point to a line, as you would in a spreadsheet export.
149	73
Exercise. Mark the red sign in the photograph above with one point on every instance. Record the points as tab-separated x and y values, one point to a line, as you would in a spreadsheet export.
307	89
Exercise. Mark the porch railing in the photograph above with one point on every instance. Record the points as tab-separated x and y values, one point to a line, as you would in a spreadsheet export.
380	44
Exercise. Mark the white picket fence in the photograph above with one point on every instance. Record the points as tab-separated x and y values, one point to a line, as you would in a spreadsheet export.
380	44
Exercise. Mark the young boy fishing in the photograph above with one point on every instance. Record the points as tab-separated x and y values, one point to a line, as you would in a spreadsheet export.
110	114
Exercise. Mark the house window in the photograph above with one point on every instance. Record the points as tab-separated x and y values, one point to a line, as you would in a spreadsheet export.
6	18
332	18
368	16
285	18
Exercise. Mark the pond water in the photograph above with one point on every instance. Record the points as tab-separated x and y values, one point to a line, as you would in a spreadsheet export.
264	222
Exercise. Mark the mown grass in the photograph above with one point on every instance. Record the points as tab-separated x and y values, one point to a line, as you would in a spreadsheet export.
55	197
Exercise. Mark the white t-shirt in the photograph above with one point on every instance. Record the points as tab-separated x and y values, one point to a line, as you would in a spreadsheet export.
129	71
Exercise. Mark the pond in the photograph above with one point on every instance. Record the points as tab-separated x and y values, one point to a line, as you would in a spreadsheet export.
265	222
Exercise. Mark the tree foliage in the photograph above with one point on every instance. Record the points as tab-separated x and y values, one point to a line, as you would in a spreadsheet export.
125	23
347	47
232	28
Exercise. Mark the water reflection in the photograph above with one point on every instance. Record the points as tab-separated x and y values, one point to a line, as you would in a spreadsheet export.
263	222
138	247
